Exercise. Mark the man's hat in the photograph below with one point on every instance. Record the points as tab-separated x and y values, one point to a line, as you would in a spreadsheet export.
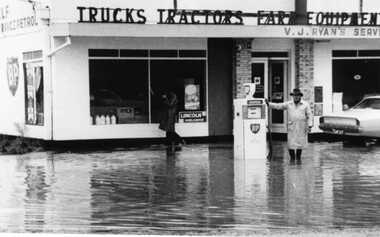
296	91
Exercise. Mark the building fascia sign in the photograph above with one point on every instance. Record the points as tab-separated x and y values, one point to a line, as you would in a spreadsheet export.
16	17
284	23
225	17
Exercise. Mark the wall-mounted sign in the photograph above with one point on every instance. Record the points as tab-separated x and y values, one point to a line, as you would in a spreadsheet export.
329	32
318	94
318	109
320	18
277	80
257	80
111	15
105	14
16	16
31	104
217	17
192	97
192	116
13	74
4	12
276	18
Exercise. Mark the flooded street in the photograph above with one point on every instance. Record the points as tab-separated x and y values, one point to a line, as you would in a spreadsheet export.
202	189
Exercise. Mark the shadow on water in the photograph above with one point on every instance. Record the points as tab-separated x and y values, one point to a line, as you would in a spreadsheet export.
200	189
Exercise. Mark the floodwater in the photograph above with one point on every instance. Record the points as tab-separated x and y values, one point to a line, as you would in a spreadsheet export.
201	189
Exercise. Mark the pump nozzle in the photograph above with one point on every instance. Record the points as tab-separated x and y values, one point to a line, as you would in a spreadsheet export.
250	89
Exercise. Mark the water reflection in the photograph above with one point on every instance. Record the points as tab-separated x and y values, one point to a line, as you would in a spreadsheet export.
199	189
276	192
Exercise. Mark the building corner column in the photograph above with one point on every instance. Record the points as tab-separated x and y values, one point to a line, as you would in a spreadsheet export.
304	64
241	66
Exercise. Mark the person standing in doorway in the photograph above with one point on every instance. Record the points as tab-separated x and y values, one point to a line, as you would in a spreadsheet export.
168	119
299	122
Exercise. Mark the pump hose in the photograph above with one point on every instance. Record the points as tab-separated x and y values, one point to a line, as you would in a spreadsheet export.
269	137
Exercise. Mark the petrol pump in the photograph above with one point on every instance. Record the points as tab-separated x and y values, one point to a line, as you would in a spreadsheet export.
250	126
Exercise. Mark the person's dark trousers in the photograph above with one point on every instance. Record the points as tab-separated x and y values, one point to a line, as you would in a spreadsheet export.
177	138
170	142
172	138
298	154
292	154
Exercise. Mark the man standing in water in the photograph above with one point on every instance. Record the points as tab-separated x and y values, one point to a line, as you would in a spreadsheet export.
299	122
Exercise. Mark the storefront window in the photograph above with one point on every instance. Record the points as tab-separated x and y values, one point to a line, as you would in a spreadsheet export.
119	91
34	88
186	78
126	85
355	74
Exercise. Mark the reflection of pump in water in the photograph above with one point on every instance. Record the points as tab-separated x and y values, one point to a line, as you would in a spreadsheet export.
250	126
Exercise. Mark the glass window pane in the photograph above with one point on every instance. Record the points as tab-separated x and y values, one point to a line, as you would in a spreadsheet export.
103	53
34	93
192	53
264	54
138	53
119	91
369	53
164	53
277	94
344	53
258	70
174	75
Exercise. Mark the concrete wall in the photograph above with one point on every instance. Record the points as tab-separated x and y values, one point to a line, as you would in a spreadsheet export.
220	86
72	91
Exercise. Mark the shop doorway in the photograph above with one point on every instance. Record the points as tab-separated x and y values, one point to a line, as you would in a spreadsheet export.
270	76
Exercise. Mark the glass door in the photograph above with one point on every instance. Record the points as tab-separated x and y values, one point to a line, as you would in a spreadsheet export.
260	77
270	77
277	70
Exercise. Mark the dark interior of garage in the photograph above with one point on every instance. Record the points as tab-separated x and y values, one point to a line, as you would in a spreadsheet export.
356	78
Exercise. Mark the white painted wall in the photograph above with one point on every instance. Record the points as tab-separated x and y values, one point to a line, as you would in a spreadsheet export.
343	5
71	90
243	5
323	75
333	5
371	5
12	108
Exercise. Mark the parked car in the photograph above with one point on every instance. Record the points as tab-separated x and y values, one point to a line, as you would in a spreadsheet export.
104	97
362	119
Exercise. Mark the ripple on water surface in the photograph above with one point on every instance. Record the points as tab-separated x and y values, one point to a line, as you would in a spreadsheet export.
200	189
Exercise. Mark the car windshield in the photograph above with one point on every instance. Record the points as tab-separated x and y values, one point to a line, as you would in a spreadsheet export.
370	103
